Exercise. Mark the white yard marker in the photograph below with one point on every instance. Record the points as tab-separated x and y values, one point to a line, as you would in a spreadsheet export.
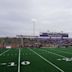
46	60
19	61
4	52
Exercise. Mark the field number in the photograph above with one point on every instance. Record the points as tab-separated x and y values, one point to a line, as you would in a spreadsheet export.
14	64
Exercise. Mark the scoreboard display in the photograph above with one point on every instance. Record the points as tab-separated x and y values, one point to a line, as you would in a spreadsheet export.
53	35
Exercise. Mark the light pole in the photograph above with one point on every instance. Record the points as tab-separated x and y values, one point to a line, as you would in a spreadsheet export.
33	21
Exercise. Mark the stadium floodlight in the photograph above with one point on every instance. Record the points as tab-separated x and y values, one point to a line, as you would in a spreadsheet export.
34	21
48	31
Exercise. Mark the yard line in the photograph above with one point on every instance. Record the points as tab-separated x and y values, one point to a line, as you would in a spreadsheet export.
4	52
54	53
46	60
19	61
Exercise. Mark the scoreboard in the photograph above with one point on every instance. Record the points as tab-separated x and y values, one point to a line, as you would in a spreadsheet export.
53	35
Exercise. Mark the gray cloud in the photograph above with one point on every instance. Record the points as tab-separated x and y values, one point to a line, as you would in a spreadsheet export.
16	16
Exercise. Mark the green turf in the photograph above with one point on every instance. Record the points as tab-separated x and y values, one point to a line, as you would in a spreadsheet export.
37	63
2	50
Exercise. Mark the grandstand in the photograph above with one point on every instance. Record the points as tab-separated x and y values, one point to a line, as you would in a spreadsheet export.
43	40
48	52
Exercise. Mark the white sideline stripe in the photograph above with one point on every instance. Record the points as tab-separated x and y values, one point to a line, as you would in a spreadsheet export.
4	52
46	60
54	53
19	61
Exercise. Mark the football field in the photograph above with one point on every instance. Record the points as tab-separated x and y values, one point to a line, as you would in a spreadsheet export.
36	60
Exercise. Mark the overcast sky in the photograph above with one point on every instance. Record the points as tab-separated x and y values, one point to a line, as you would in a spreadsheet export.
16	16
